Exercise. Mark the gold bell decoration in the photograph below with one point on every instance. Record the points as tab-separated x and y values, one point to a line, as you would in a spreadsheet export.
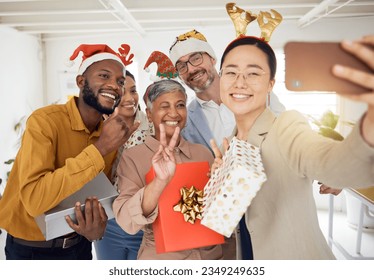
190	204
267	21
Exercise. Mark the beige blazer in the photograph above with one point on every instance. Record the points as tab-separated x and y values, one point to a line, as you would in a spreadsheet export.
282	218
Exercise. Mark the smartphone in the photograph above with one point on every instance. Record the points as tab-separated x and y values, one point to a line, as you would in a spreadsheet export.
308	67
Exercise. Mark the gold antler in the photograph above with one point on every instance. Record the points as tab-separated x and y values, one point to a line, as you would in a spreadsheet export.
272	22
240	18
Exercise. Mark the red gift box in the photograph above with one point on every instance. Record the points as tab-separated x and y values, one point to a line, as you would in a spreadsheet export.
171	231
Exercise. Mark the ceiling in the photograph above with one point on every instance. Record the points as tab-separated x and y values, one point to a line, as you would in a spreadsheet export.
65	18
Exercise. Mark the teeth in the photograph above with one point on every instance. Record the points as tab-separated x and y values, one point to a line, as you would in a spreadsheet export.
197	76
109	95
240	96
170	123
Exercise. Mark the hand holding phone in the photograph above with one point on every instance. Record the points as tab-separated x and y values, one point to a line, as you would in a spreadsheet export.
354	75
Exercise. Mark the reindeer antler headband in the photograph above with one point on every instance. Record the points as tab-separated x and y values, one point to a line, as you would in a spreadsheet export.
242	18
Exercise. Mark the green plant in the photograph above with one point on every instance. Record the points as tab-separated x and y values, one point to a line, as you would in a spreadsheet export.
327	125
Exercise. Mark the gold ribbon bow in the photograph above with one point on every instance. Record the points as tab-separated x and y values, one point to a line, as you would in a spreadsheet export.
190	204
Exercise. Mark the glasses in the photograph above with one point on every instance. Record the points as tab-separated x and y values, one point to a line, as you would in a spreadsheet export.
252	76
195	60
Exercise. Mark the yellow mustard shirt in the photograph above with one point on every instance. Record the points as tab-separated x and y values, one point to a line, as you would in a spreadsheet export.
57	157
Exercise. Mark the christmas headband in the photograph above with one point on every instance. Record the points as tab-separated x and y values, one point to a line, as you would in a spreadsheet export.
242	18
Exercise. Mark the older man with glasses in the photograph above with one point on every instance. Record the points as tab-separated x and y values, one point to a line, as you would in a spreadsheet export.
208	118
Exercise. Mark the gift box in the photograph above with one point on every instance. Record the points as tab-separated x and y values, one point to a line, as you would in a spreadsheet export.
232	187
53	224
174	230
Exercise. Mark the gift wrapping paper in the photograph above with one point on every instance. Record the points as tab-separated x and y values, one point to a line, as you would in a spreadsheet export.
176	229
232	187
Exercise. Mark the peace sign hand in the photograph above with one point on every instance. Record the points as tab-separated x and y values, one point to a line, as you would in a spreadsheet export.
164	165
163	160
217	154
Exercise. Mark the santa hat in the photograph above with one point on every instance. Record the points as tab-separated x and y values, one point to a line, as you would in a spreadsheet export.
165	68
190	42
99	52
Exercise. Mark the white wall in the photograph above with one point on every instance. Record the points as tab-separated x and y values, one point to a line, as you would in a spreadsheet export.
58	51
21	87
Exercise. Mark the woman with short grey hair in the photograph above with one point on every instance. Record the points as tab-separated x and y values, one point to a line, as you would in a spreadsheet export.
160	87
136	207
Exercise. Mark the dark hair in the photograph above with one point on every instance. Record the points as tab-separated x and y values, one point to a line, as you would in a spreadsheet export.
128	73
259	43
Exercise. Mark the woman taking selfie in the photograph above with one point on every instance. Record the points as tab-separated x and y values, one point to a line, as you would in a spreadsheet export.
282	219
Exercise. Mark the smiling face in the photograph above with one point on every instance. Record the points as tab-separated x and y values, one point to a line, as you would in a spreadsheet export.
129	101
102	85
168	108
200	77
245	95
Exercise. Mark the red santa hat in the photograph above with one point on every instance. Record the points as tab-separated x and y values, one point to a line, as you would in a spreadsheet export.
165	68
99	52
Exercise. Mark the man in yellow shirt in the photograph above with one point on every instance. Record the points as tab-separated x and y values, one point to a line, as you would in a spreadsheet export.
64	146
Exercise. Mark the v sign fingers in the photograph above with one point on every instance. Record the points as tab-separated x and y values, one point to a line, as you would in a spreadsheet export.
217	154
163	135
216	150
174	139
225	144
